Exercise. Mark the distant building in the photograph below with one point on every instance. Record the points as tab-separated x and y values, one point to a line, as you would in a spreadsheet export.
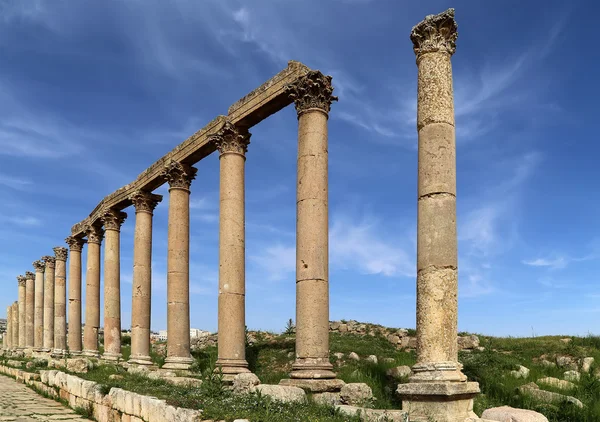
194	333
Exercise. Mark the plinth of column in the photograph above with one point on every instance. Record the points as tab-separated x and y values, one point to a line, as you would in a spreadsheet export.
74	333
49	280
179	176
38	323
112	220
29	309
144	203
437	388
60	302
95	234
232	144
22	311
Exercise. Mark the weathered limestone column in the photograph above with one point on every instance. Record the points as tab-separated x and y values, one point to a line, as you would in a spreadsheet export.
38	322
14	340
179	176
112	220
74	333
144	203
437	389
22	312
312	95
49	278
60	301
7	338
92	291
232	144
29	309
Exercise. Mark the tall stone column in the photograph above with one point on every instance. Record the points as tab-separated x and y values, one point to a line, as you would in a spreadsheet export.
49	278
74	332
112	220
7	338
60	301
38	322
179	176
92	291
437	389
22	311
232	144
29	309
144	203
14	340
312	95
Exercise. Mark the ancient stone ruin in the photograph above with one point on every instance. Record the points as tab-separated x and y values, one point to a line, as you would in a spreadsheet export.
437	388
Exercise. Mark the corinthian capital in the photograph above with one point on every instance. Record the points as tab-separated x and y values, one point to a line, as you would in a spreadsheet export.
435	33
144	201
21	280
313	90
50	261
94	233
61	253
179	175
29	275
231	139
113	219
39	266
75	243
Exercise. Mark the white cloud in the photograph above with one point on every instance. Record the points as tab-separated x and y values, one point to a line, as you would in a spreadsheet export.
557	262
277	261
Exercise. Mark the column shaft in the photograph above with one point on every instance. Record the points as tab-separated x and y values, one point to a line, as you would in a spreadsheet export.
14	340
74	333
7	338
22	312
232	144
38	324
29	309
49	279
60	302
92	293
144	203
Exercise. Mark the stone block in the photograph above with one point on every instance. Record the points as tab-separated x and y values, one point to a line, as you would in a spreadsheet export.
358	394
245	383
314	385
399	372
511	414
285	394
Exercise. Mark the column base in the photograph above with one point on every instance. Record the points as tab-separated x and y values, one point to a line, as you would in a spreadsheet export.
91	354
331	385
312	368
231	367
112	357
140	360
178	363
58	354
74	352
439	401
437	372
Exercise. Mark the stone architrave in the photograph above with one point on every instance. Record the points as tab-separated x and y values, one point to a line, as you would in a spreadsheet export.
437	388
232	144
95	234
112	220
144	203
49	279
29	309
74	333
14	340
7	338
60	301
179	176
38	323
22	311
312	95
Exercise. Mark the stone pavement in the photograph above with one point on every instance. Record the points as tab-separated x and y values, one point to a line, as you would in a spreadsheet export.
20	403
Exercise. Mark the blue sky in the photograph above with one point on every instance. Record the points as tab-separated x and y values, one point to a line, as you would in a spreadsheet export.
92	93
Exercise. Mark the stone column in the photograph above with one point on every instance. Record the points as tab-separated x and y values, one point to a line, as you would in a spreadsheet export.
179	176
437	386
29	309
312	95
74	332
7	338
38	322
232	144
22	312
49	278
60	301
144	203
14	340
92	291
112	220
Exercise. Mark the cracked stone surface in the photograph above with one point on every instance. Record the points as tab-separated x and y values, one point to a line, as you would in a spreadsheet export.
20	403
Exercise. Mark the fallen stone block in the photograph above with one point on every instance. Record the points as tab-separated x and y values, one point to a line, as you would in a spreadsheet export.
511	414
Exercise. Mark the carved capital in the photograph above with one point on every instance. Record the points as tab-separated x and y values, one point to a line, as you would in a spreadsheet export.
179	175
21	280
144	201
94	234
313	90
40	266
231	139
112	219
29	275
435	33
61	253
50	261
75	243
